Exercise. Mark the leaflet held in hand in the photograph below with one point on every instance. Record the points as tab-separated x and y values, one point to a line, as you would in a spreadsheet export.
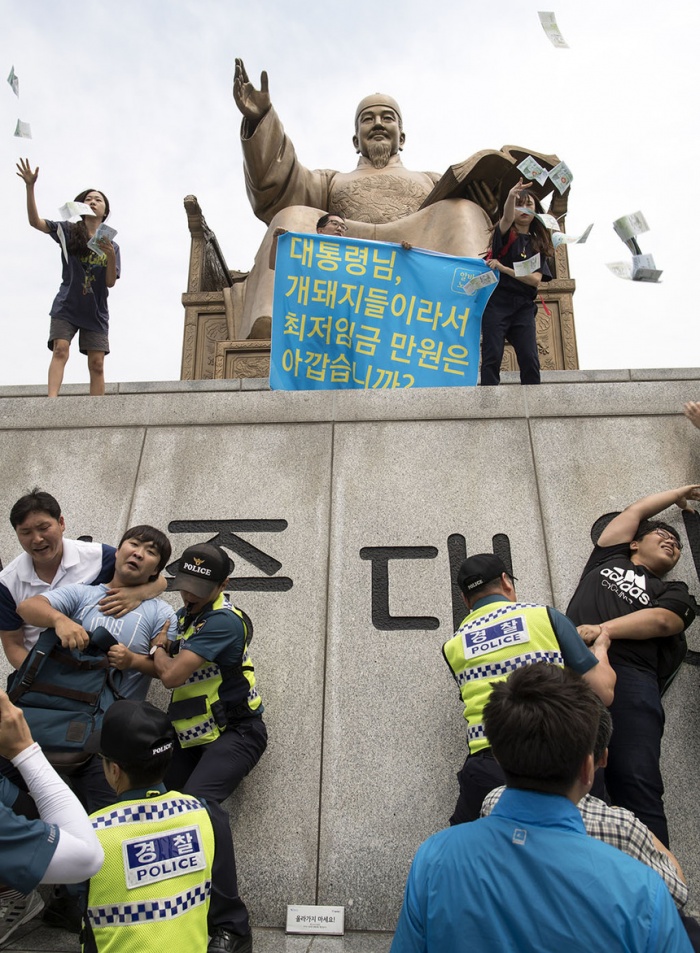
522	268
103	231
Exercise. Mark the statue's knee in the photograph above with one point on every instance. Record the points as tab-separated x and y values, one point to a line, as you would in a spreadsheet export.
464	211
459	226
262	329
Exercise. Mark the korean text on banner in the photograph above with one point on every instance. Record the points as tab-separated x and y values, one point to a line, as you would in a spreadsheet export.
349	313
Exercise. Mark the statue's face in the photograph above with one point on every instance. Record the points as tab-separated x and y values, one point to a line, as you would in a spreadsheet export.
378	125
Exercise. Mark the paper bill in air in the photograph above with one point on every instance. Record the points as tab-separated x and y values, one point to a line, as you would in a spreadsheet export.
561	176
621	269
480	281
561	238
13	80
629	226
531	169
644	268
549	25
72	211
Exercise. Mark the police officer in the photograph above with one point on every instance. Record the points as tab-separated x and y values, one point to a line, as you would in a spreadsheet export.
216	709
161	848
498	636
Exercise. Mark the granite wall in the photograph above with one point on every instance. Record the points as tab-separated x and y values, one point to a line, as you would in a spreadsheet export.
347	515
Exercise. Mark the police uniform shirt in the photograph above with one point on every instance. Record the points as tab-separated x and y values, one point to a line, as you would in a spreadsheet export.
142	856
27	849
576	654
612	585
219	638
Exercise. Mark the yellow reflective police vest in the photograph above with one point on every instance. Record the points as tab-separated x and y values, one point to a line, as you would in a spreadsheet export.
492	642
152	892
197	713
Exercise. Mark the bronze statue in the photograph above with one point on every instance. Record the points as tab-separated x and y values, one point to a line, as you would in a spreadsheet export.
380	198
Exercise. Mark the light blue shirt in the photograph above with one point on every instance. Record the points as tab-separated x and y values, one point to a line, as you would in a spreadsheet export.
529	879
134	630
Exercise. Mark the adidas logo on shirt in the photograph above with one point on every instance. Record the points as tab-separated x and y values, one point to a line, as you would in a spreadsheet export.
627	584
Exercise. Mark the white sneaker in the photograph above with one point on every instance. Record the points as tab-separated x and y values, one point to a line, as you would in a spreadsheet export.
17	909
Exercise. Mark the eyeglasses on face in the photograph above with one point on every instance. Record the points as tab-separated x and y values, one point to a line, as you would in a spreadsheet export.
669	537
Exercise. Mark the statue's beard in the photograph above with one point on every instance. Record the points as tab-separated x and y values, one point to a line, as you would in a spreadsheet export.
379	153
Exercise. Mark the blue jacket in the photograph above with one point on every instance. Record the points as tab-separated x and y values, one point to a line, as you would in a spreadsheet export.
529	879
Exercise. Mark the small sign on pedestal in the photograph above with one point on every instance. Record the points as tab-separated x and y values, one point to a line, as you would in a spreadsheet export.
313	919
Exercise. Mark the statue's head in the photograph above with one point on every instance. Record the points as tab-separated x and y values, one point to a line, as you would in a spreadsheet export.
378	129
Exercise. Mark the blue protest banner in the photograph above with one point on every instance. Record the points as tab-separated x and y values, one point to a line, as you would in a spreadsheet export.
349	313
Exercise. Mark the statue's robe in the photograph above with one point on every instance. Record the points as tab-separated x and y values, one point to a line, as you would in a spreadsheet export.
276	180
392	204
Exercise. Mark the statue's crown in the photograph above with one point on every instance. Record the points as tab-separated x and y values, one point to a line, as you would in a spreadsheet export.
378	99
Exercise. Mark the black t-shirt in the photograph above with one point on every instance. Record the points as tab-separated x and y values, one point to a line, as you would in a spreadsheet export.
520	250
612	585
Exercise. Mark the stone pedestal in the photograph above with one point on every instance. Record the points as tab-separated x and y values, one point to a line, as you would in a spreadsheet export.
212	348
347	514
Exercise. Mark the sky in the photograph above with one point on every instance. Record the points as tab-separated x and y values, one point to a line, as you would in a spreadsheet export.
134	99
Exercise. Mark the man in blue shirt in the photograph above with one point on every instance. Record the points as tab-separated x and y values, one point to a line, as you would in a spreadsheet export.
40	590
75	611
528	877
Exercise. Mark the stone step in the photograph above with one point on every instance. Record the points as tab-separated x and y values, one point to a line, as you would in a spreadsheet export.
35	938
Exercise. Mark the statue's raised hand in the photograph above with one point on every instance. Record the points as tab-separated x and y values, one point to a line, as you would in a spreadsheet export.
252	102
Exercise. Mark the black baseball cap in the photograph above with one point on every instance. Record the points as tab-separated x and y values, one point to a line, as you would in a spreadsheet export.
201	568
478	570
134	732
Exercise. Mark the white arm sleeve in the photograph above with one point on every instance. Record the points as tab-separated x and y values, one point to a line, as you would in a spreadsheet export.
78	853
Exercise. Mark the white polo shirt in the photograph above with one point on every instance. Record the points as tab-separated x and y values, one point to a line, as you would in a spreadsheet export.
88	563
